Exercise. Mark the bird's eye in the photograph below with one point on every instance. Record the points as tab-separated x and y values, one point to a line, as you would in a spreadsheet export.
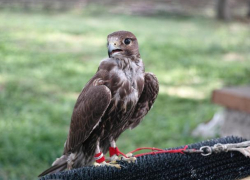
127	41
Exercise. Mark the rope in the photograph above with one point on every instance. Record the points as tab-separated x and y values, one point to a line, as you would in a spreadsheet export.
243	148
159	151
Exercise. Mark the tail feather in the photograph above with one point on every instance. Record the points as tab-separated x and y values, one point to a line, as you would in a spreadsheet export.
54	169
60	164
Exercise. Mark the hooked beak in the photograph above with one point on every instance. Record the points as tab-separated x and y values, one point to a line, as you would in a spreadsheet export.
113	48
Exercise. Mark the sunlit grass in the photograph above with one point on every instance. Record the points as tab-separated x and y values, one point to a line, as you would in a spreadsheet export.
46	59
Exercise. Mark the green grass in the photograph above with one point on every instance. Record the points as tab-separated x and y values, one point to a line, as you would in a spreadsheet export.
46	59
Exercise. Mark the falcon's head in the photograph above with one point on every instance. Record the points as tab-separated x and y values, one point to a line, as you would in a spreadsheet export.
122	44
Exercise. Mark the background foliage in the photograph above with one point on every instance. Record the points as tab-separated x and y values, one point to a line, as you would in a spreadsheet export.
46	58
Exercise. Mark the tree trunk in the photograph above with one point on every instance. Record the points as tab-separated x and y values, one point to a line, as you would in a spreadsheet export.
248	14
48	5
223	10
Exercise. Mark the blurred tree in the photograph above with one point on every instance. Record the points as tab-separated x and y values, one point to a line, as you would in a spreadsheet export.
47	5
248	14
223	10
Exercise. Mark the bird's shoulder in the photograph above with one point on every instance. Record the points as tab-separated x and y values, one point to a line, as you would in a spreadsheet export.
107	64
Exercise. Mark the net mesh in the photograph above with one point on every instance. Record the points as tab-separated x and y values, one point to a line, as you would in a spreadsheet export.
169	166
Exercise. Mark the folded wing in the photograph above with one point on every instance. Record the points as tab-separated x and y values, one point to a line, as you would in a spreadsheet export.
147	98
89	109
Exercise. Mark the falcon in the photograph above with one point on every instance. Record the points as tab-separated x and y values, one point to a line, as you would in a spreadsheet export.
117	98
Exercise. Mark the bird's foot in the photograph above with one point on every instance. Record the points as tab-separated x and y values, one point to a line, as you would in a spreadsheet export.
114	156
112	164
129	155
96	164
129	158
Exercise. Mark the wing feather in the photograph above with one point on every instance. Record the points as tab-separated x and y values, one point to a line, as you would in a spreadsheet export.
89	109
146	100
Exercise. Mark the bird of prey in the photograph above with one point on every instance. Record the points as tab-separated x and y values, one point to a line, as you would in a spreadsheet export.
117	97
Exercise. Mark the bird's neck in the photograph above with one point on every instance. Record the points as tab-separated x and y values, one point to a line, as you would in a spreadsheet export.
128	63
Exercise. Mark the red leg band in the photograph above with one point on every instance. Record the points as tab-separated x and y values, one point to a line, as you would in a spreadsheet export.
114	151
99	158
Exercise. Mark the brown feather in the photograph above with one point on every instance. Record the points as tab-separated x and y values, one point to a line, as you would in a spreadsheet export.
87	114
149	94
54	169
117	98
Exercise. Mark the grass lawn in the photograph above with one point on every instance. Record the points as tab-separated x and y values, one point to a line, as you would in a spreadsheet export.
46	59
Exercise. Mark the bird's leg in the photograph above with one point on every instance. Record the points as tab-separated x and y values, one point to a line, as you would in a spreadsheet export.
114	153
100	159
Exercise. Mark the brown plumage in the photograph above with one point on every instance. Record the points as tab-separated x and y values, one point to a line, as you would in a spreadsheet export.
118	96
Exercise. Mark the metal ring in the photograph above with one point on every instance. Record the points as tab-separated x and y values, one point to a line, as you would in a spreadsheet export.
206	150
